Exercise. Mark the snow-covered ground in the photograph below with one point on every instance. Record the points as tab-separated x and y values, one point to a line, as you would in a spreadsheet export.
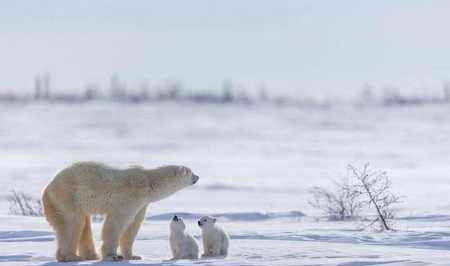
276	241
255	163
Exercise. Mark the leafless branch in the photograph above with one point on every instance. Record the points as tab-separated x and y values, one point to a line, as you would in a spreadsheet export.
368	189
376	186
341	203
23	204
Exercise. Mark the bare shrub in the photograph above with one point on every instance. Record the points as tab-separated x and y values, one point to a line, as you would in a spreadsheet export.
376	186
364	189
341	203
24	204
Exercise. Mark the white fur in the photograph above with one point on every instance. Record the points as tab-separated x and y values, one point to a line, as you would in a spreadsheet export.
182	244
122	195
215	240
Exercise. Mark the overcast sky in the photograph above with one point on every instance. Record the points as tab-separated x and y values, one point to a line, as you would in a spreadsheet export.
301	43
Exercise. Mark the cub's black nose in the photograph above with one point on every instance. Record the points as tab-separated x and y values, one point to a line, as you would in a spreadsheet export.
175	218
199	223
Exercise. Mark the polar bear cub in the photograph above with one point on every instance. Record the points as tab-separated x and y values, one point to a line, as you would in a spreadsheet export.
215	240
182	244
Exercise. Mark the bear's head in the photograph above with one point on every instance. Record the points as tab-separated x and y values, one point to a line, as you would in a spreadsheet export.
206	222
177	224
166	180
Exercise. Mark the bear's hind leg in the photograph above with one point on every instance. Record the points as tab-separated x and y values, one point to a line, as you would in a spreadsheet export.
68	236
86	245
127	239
59	220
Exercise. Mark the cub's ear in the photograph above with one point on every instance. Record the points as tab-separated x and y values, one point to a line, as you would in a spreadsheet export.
214	220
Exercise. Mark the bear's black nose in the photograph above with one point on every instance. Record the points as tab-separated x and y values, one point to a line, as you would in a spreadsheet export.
195	178
175	218
199	223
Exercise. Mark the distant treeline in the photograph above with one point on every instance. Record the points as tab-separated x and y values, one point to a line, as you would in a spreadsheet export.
168	91
229	93
392	96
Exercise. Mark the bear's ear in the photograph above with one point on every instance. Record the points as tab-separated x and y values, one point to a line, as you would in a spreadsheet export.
214	220
180	171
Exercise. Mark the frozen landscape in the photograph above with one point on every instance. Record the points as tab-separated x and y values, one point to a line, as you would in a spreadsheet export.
256	164
267	101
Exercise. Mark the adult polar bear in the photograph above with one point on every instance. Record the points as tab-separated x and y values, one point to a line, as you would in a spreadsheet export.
122	195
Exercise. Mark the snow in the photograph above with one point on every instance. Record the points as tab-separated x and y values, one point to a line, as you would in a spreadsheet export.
277	241
255	163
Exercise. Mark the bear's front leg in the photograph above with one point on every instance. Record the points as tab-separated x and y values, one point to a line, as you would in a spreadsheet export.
214	250
113	227
176	254
209	250
127	239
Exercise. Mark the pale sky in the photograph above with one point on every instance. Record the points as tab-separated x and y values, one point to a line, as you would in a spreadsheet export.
303	43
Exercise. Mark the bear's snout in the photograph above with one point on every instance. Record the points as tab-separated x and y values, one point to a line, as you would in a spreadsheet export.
199	223
195	178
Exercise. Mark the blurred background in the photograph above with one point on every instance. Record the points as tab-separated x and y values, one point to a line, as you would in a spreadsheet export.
263	99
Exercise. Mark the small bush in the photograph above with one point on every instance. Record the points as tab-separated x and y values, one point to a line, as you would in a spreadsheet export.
340	203
24	204
376	186
364	190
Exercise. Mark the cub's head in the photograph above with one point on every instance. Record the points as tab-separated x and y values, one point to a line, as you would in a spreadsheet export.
177	224
167	180
206	222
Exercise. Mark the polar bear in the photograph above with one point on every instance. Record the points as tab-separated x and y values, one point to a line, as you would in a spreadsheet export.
215	240
122	195
182	244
